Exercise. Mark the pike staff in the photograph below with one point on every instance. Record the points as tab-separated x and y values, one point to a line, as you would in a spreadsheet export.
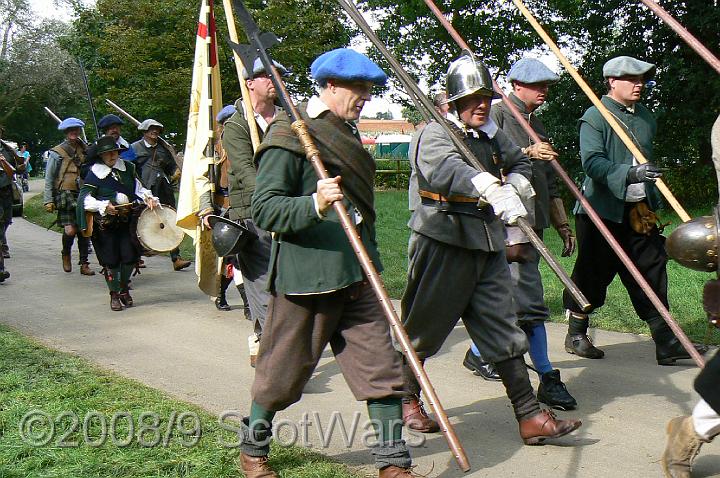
689	38
259	43
428	111
684	216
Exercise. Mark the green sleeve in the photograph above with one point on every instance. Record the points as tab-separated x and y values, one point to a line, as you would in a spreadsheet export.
238	146
282	201
595	159
86	190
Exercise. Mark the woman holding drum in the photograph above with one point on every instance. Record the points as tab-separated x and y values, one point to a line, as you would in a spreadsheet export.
104	211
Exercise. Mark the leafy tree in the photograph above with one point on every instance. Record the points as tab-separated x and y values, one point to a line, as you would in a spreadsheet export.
411	114
384	115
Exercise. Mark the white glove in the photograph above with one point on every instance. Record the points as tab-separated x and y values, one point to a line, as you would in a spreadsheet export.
522	186
485	182
506	203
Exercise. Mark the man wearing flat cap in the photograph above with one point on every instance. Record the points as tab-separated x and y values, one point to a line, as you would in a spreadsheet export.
10	164
320	294
157	169
62	186
254	258
457	265
530	80
624	194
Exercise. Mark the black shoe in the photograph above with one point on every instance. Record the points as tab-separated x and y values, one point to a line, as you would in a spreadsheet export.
581	346
485	370
669	352
553	393
6	254
221	304
4	275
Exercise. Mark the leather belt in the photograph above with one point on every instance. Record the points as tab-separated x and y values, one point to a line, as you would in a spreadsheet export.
452	198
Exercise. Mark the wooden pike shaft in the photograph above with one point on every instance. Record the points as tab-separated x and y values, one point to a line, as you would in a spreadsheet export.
684	216
689	38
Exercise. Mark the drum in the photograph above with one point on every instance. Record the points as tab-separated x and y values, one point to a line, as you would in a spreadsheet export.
156	229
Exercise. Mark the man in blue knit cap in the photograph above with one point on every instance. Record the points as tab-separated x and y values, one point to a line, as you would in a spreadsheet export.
320	294
530	80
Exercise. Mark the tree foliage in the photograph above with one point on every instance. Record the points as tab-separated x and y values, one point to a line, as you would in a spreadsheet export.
686	100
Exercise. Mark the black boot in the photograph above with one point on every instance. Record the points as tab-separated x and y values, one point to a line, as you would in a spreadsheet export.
4	275
246	303
668	348
553	393
479	367
576	341
221	300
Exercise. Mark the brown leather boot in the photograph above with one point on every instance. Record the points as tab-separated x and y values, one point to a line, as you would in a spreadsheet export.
180	264
536	429
393	471
682	447
125	298
115	303
256	466
416	418
85	269
67	263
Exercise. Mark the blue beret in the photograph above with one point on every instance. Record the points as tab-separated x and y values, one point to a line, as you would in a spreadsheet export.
109	120
258	68
346	64
530	70
628	66
225	113
70	123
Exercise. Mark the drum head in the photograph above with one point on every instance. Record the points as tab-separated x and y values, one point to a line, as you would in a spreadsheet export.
157	231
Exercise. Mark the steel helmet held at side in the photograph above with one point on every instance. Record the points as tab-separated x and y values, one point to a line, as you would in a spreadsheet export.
228	236
696	243
466	76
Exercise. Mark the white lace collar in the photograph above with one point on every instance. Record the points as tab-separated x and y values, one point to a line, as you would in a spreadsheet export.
101	170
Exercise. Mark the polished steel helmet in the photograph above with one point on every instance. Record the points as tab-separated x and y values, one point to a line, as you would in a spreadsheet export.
228	236
467	76
696	243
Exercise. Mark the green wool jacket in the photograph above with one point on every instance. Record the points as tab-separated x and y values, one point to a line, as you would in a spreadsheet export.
309	255
606	160
101	193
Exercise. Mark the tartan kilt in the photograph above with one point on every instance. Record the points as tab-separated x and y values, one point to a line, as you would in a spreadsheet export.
66	205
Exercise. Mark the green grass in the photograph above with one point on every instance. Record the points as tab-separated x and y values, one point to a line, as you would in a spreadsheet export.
33	377
685	285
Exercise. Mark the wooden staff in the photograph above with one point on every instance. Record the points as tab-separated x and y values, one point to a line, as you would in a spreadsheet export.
601	107
250	112
692	42
259	42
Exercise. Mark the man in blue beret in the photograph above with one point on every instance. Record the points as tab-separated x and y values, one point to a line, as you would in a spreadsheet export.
320	294
457	265
530	80
62	186
110	125
253	260
624	194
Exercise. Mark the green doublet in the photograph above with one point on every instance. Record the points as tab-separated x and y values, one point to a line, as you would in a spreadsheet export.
102	193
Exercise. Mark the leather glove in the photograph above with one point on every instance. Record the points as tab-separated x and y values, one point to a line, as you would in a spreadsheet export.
522	186
541	151
50	207
643	173
176	176
566	234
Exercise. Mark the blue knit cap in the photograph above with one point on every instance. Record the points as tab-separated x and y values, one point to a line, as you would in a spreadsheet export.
225	113
71	122
530	70
109	120
348	65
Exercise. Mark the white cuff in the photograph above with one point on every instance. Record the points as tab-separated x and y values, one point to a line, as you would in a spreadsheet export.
317	206
485	183
93	205
521	184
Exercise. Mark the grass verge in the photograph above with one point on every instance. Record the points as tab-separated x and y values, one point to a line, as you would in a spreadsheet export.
33	377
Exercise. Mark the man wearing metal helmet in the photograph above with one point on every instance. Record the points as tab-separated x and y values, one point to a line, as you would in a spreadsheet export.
320	295
62	185
530	80
624	194
10	163
158	170
457	265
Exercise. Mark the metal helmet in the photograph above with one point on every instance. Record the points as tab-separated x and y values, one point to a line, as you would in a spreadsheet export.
467	76
696	243
228	236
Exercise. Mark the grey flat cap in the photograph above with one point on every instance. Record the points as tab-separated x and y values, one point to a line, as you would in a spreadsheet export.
530	70
258	68
145	125
628	66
